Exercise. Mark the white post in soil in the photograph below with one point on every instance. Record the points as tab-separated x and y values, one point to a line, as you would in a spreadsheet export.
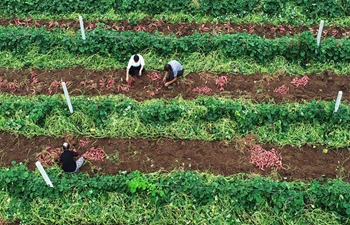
82	27
337	103
320	29
43	173
67	97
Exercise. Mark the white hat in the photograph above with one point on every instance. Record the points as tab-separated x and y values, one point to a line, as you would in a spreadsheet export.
65	145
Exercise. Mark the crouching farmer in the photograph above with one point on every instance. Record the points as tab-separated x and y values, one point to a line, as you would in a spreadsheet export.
136	64
173	70
67	159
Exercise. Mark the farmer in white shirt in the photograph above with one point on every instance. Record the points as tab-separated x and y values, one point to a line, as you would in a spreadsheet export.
136	63
173	70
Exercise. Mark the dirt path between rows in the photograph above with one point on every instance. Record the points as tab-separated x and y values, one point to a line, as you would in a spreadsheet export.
146	155
257	87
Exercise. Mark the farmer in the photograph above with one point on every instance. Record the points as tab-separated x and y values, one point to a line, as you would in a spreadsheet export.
173	70
136	63
67	160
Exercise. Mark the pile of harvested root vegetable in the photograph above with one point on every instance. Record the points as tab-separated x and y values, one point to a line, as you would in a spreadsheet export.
263	158
94	154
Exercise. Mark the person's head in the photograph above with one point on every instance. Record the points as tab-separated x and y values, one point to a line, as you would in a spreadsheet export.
167	67
65	146
136	58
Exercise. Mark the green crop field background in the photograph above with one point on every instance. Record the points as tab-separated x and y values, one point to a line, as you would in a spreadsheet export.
178	196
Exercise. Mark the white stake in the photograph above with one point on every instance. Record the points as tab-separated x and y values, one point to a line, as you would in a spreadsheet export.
320	29
337	103
82	27
67	97
43	173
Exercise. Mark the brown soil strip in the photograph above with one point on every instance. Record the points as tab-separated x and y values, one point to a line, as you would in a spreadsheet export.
148	155
257	87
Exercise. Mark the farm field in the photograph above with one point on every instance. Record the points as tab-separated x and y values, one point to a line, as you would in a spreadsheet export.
251	134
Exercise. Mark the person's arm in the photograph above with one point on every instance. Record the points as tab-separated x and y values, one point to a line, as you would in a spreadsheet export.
140	72
142	63
128	68
170	82
127	74
166	74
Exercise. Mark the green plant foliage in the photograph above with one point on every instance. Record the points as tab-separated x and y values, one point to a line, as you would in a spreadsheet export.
205	118
286	199
216	8
297	49
194	62
326	9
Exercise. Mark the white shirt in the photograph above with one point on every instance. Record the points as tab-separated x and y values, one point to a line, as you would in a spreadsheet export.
136	64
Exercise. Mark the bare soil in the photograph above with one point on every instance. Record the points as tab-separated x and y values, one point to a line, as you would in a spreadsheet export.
146	155
257	87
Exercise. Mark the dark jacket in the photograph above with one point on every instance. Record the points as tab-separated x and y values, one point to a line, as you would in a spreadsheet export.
68	162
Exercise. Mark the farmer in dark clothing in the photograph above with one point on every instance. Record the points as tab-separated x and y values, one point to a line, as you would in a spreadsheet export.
67	160
173	70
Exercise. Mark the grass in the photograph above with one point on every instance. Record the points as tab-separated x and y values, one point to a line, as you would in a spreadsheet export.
342	173
196	62
131	125
123	209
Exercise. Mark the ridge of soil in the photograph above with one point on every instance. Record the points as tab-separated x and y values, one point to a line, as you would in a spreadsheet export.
181	28
147	155
258	87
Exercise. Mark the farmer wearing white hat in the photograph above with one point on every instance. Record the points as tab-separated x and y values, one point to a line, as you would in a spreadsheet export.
67	159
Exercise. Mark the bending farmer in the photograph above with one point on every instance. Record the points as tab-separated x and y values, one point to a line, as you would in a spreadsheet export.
173	70
67	160
136	63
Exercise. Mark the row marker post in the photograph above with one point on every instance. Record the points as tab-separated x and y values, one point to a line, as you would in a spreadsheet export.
82	27
320	29
67	97
337	103
43	173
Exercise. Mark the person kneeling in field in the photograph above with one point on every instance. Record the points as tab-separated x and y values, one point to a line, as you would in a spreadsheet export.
136	63
173	70
67	159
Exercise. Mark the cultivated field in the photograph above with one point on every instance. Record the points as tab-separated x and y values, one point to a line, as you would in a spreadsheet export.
251	134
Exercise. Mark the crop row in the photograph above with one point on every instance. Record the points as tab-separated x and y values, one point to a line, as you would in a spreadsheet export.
299	48
181	29
160	111
249	194
205	118
311	9
124	209
215	61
